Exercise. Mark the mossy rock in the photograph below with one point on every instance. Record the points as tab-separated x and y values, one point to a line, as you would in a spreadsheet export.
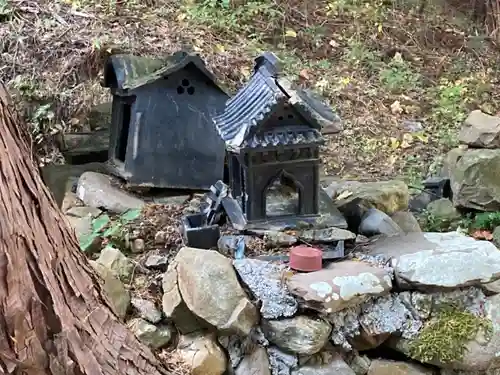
457	339
444	338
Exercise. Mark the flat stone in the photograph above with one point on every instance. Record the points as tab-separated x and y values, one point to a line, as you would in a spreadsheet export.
98	190
481	130
264	281
210	289
326	235
418	260
113	259
340	285
155	337
202	354
118	296
386	367
301	334
147	310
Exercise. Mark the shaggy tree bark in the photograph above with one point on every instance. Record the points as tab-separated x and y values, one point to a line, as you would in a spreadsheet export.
53	316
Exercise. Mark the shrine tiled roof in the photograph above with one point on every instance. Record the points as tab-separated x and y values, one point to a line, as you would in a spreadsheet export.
256	102
285	138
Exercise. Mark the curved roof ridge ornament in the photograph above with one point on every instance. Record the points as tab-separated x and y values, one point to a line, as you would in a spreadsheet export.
268	63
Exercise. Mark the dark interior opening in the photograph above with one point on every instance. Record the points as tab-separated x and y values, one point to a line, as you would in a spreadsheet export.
282	196
121	147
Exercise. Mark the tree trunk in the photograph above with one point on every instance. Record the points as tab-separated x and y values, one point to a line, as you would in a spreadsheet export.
53	316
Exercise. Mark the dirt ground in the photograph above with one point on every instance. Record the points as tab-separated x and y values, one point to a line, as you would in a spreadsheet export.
402	77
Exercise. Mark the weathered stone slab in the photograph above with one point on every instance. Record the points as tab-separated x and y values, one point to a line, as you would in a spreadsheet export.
340	285
439	260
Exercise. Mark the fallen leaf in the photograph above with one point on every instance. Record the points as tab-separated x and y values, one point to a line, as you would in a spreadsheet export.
398	57
304	74
396	107
245	71
394	142
333	43
407	140
422	137
219	48
482	235
291	33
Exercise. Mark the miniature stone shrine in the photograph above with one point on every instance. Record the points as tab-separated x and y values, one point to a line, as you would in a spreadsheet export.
162	111
272	133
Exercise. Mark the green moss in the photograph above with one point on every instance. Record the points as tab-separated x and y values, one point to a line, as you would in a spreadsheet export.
444	337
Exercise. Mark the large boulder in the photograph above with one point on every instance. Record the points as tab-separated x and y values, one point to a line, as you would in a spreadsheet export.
387	196
205	281
481	130
340	285
418	260
475	182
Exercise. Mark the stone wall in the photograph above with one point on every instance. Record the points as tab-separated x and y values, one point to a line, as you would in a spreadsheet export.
434	303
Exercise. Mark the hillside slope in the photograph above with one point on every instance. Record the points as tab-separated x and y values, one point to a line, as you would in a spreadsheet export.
402	78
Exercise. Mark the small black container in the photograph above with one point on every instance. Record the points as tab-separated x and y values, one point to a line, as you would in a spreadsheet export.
197	234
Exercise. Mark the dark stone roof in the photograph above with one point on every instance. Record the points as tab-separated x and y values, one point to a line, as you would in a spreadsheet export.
285	137
256	101
128	72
